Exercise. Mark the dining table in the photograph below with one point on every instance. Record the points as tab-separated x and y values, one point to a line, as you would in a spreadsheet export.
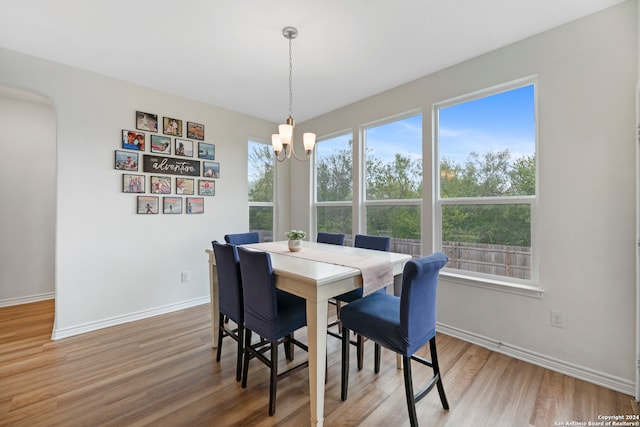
318	273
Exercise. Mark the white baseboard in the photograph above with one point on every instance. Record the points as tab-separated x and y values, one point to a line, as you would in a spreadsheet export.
60	333
26	300
580	372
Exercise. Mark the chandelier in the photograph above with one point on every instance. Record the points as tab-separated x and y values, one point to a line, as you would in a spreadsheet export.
282	141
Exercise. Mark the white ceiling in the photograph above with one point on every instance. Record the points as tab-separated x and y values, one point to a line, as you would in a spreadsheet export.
232	53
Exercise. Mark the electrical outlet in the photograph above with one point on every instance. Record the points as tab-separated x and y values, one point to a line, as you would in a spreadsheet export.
184	276
557	319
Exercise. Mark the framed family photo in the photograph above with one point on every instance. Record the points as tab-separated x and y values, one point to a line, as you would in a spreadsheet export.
132	183
206	187
171	126
195	205
184	186
160	144
211	170
161	185
126	161
183	147
147	205
146	121
172	205
206	151
195	131
133	140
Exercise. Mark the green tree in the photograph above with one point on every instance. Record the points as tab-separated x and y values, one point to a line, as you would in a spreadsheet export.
488	175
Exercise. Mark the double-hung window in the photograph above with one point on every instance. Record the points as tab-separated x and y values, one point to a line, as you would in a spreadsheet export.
261	177
392	196
334	184
486	182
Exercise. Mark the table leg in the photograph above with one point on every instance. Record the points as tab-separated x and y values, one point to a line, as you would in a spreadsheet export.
213	294
317	332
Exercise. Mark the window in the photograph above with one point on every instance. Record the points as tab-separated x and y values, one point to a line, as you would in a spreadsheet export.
393	182
486	175
334	184
261	177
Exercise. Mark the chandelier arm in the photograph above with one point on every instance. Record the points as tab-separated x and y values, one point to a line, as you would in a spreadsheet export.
296	156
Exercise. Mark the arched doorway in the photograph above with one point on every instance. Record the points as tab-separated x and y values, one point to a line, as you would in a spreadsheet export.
28	194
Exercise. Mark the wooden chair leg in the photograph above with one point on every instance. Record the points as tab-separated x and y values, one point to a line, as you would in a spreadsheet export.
338	305
436	371
376	358
220	336
344	385
245	369
408	389
360	350
240	352
288	347
273	383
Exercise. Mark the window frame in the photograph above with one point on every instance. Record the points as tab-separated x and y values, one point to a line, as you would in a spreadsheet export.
526	287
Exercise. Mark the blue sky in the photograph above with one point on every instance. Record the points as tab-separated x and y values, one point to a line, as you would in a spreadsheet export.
504	120
493	123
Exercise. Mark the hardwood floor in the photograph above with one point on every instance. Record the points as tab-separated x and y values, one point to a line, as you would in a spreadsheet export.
162	372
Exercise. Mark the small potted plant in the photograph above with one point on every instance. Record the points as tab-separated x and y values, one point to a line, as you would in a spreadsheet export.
294	237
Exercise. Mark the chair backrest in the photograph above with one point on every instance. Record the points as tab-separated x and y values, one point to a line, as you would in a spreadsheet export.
259	287
331	238
378	243
242	238
230	295
418	299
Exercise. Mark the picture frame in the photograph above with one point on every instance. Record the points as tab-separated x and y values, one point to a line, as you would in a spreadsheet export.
195	131
147	205
185	186
195	205
133	140
183	147
160	185
211	170
133	183
172	205
206	151
160	144
146	121
126	160
171	126
206	187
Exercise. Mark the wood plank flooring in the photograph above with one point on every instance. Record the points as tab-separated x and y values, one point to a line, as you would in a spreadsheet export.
162	372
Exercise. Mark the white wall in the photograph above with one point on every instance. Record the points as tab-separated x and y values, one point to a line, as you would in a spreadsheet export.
28	192
586	200
111	264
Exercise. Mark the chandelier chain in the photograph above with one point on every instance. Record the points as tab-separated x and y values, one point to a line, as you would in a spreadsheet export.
290	80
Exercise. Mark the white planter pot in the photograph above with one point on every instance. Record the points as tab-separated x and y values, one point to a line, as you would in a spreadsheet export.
295	245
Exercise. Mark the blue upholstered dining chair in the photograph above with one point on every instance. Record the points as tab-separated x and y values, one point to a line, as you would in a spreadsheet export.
242	238
402	324
378	243
272	314
330	238
230	300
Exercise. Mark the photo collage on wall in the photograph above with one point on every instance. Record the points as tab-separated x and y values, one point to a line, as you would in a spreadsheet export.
172	164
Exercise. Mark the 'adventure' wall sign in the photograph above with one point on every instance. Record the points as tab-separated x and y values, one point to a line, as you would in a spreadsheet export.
170	165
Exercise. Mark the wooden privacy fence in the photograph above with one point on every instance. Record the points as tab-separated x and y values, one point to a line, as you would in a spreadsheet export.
499	260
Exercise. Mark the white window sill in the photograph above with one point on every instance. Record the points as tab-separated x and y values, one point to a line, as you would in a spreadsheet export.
526	290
